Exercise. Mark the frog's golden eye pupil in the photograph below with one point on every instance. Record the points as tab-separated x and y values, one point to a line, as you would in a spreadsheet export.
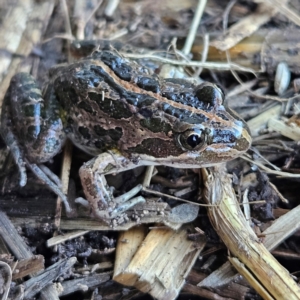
194	140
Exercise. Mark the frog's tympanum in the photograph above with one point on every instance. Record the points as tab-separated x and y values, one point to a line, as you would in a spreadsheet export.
123	115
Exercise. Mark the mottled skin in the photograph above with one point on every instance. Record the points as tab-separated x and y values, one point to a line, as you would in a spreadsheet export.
121	113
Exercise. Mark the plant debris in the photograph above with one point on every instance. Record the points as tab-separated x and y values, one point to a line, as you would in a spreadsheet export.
249	49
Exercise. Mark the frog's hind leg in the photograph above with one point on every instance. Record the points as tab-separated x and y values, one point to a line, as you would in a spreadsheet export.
11	139
101	201
32	128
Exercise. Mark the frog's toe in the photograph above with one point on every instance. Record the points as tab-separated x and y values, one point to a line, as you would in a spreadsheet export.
125	197
107	215
51	175
127	206
82	202
40	174
23	174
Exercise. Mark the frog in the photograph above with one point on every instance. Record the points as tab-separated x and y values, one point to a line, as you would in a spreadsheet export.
122	114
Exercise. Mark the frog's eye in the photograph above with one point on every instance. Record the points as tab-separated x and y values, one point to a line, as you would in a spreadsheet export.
192	139
210	93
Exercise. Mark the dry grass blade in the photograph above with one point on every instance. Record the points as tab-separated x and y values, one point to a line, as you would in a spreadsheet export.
229	222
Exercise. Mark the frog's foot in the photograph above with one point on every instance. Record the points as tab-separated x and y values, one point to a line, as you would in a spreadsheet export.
101	200
122	204
50	180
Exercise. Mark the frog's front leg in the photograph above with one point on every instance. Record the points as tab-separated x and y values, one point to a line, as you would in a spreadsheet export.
101	201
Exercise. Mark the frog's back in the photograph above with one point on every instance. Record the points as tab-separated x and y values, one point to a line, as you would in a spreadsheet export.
100	110
111	103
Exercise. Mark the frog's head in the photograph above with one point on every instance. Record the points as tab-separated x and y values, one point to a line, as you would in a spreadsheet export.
213	143
220	136
204	131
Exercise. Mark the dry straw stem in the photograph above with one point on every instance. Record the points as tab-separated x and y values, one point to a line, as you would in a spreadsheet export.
245	27
229	222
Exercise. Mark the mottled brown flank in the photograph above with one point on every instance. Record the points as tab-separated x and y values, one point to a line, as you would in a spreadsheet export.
157	148
156	125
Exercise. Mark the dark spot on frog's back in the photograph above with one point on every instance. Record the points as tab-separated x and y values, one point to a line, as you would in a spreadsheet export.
157	148
114	108
185	97
115	134
184	115
100	145
117	64
67	95
84	132
222	116
137	99
209	95
149	84
146	112
85	106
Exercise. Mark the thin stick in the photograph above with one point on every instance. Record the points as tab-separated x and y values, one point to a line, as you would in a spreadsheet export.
194	63
194	26
204	54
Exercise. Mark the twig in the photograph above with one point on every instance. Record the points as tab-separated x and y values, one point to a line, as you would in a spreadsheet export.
269	171
204	54
194	26
195	63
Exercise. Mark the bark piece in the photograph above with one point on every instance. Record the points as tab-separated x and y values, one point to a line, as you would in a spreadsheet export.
83	284
12	238
35	284
28	266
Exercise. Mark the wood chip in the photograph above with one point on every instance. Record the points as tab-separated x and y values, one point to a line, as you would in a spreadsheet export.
261	121
158	264
292	132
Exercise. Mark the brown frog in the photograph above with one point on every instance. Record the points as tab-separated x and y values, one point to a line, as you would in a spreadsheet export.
123	115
